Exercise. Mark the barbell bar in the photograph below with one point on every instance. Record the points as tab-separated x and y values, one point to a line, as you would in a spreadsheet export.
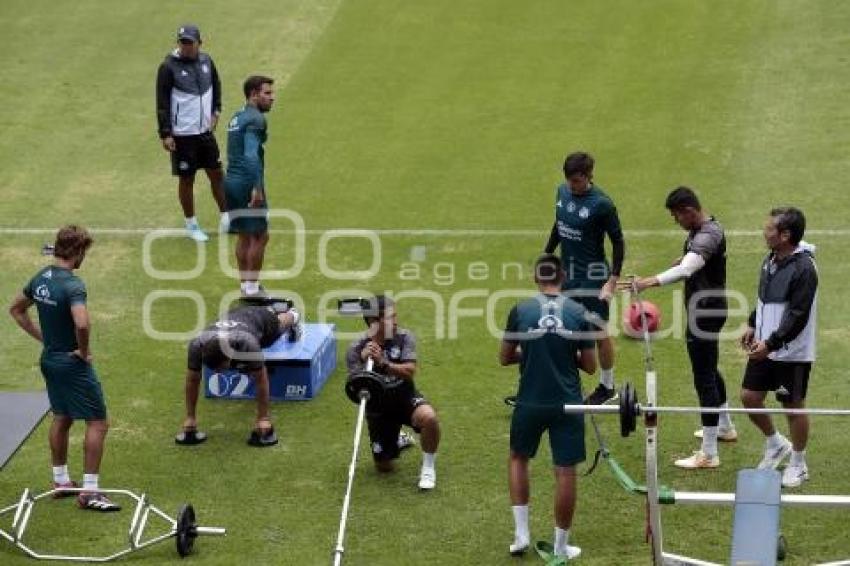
629	408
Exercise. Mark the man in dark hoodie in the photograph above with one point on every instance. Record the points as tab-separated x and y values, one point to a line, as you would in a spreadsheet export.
188	104
780	340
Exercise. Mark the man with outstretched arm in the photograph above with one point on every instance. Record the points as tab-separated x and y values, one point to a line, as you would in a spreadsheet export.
703	268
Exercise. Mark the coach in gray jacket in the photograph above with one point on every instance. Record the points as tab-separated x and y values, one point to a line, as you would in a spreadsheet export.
780	340
188	104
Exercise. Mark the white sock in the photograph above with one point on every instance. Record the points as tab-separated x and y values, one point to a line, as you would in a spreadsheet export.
521	535
775	441
562	538
606	378
191	221
798	458
60	474
428	459
709	440
251	287
725	418
90	482
243	286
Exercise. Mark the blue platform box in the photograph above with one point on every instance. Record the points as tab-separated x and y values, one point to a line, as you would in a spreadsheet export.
297	370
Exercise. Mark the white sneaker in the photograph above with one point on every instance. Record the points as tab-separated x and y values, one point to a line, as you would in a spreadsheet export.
723	434
427	479
697	460
518	547
570	552
194	231
774	456
224	223
405	440
795	474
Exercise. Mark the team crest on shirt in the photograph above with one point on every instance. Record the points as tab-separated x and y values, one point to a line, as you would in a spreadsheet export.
571	207
395	352
48	274
183	165
583	212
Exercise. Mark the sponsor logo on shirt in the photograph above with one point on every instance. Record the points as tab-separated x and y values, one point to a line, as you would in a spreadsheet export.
568	233
42	295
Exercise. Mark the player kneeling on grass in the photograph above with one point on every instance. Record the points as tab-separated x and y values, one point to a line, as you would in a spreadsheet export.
72	385
550	337
393	352
236	342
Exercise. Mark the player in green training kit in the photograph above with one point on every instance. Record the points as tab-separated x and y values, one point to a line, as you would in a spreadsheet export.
72	385
550	337
244	188
584	214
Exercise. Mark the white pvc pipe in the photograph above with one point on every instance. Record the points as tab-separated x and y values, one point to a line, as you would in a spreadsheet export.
716	498
358	430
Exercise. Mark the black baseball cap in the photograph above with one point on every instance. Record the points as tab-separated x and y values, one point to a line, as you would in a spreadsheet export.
189	31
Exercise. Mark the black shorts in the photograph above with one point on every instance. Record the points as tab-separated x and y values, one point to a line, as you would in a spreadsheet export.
790	380
194	152
384	428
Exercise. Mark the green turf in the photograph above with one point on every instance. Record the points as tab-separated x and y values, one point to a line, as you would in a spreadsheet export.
400	115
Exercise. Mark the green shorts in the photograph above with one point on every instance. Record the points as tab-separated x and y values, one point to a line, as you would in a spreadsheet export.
586	293
244	220
566	434
72	387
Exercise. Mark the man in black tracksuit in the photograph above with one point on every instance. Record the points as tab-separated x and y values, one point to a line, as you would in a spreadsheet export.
188	104
781	340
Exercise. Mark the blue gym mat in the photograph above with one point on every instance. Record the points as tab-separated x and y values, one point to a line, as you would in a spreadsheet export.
20	413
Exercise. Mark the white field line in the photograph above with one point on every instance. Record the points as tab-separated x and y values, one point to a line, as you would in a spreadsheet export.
445	232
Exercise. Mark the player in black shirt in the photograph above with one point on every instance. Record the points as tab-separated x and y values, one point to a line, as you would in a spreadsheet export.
703	267
236	341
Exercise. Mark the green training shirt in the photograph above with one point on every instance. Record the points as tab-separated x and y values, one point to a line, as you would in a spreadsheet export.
246	134
551	329
582	222
54	290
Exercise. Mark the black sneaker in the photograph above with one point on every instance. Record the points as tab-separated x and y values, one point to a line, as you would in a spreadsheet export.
601	396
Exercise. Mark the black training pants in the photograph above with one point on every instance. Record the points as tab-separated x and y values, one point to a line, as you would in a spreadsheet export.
703	349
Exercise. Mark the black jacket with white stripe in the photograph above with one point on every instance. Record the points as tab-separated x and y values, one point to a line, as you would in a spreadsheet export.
188	93
786	311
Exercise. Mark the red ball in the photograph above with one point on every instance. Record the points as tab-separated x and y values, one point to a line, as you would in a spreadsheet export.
632	325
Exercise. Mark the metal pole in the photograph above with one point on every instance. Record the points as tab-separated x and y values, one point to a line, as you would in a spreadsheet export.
651	444
361	413
648	409
713	498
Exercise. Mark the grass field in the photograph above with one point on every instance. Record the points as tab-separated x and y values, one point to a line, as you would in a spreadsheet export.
444	124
